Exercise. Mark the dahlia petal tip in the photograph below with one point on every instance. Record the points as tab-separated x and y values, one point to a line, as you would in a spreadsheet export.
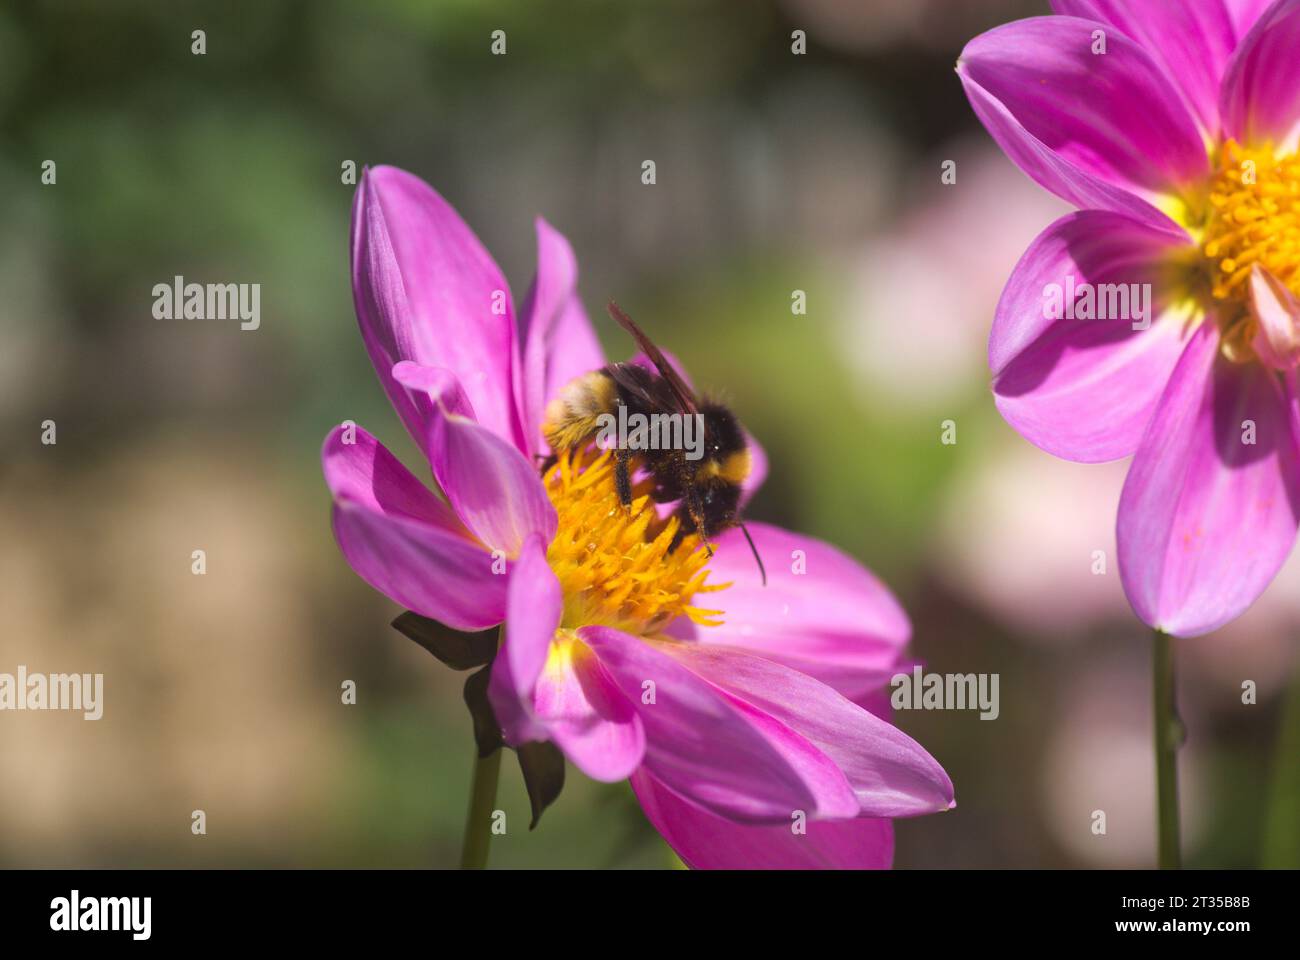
1206	518
1118	138
427	290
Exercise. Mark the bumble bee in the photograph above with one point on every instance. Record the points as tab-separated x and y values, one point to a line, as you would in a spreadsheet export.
704	482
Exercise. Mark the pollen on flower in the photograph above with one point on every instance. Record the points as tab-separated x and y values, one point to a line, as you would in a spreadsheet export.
1254	218
613	562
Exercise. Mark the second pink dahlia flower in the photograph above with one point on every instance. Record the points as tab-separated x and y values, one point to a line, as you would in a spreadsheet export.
1173	125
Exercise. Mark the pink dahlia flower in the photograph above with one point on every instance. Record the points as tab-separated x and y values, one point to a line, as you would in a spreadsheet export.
1173	125
735	721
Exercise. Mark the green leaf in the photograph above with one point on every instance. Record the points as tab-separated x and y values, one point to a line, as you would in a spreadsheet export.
458	650
542	765
487	732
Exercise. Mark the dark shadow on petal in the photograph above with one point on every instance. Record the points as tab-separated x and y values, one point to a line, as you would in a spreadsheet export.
1101	264
1246	394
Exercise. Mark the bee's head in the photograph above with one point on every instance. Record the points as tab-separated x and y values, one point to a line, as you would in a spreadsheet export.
725	465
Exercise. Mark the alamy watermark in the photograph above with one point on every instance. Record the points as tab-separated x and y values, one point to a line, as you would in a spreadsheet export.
656	431
75	913
946	691
1100	301
179	300
54	691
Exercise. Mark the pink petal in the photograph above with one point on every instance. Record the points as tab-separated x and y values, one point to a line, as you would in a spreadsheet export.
403	541
1244	13
1260	99
575	349
1278	339
494	489
425	290
559	343
821	612
549	686
1206	520
1190	41
429	385
1083	389
891	774
533	606
705	841
586	714
1103	131
713	747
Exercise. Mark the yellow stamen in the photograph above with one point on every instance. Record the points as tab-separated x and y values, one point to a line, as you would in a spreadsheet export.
613	561
1253	218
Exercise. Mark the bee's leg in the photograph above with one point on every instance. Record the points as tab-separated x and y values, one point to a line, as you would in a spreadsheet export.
691	520
697	515
623	475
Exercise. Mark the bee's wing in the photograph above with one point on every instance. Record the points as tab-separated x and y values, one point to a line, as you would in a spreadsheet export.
654	393
683	399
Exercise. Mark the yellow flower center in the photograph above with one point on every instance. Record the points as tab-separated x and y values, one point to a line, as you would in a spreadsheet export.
1253	217
613	561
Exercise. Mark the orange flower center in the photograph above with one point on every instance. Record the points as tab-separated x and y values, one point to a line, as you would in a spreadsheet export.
1253	217
613	561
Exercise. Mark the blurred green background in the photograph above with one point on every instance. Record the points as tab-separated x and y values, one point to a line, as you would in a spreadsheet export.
775	173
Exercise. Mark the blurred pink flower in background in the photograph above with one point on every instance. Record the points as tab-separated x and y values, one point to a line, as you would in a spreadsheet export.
924	291
1261	645
1019	534
1098	758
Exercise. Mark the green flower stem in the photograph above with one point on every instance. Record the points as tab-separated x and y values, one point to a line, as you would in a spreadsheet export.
478	821
482	801
1168	737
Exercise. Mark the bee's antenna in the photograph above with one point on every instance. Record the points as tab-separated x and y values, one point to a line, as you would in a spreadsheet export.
761	569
